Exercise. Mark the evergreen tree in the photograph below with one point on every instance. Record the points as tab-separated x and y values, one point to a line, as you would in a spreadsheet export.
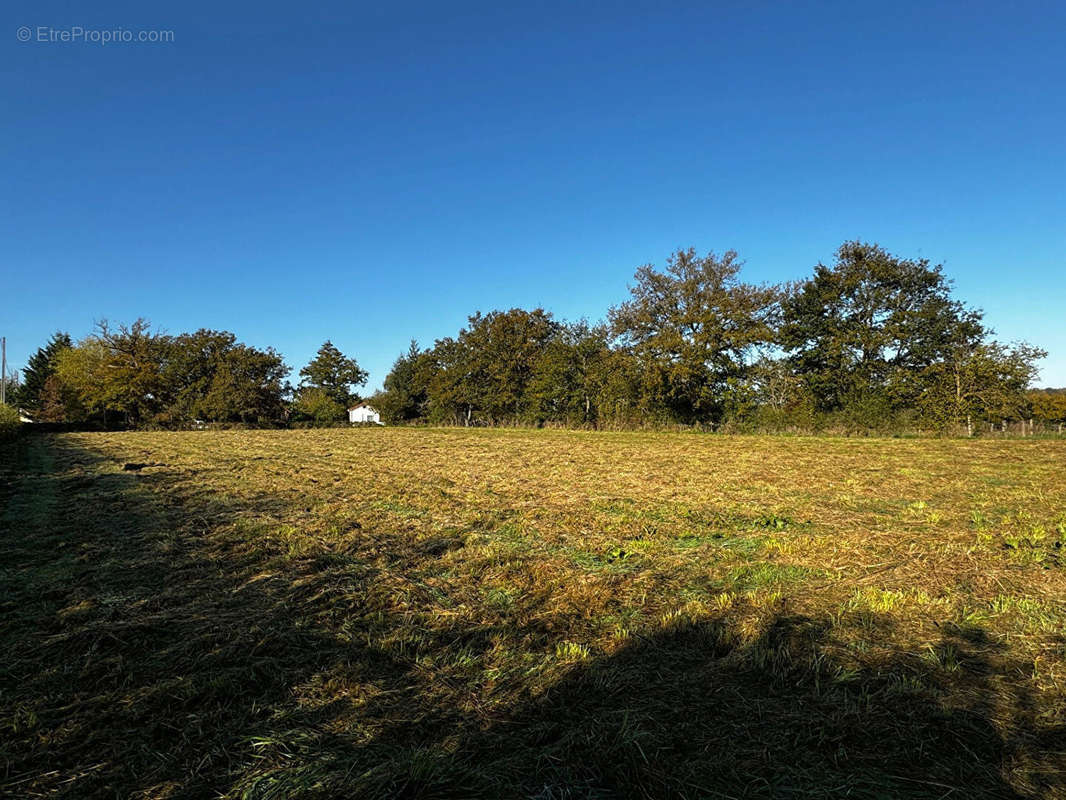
405	391
333	373
39	368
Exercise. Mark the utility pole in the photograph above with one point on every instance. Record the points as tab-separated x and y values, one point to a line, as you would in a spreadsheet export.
3	370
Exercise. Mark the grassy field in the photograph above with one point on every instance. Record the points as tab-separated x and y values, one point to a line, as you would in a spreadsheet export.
448	613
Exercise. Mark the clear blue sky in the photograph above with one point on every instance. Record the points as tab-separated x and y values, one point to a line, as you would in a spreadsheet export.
371	173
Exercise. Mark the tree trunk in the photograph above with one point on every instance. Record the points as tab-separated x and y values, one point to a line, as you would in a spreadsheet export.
969	425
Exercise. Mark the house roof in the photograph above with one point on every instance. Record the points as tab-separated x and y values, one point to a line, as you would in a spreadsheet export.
363	404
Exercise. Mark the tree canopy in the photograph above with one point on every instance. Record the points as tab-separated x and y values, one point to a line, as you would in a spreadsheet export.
870	341
693	327
868	325
139	377
334	374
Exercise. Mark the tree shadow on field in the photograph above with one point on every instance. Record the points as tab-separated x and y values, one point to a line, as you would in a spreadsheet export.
700	711
688	714
139	653
145	654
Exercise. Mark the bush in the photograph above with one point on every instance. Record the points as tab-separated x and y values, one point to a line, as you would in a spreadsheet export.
10	424
317	409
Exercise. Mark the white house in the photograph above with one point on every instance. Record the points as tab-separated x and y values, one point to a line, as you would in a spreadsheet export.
364	412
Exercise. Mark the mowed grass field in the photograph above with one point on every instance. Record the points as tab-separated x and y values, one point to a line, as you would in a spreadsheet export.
506	614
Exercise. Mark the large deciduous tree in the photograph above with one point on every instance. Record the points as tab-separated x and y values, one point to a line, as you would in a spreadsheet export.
140	377
246	386
695	327
864	329
572	379
502	349
484	374
987	382
210	375
118	370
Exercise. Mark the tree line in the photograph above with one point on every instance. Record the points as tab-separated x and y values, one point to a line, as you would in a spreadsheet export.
870	341
132	376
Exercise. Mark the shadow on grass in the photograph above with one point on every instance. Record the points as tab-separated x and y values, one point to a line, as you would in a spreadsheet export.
687	714
145	656
140	654
694	712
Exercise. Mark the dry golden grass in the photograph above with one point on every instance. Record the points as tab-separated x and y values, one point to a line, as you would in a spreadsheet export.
453	613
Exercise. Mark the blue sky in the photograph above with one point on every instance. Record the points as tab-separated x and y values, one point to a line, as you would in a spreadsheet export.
373	173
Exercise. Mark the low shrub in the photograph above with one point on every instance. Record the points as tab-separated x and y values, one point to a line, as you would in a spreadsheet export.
10	424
